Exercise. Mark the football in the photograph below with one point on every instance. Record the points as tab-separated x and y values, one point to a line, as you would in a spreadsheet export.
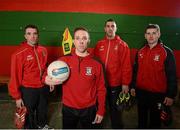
58	71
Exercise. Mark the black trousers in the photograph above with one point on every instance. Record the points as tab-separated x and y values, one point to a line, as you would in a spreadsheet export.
148	112
36	101
115	114
82	118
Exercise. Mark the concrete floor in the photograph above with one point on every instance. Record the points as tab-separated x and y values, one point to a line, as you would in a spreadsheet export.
7	108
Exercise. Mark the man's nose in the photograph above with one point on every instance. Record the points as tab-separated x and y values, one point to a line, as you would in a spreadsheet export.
81	40
151	35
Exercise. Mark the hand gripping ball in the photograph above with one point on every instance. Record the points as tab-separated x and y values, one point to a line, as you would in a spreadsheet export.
58	70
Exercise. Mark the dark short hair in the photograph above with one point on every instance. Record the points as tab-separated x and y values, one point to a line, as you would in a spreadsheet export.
155	26
109	20
81	28
31	26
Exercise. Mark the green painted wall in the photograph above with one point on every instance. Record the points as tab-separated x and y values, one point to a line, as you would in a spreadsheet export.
52	25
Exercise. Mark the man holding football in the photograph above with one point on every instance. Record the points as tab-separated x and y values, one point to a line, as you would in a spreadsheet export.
84	91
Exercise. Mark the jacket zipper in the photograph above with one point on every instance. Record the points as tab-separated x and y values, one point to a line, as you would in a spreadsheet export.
107	55
38	62
79	59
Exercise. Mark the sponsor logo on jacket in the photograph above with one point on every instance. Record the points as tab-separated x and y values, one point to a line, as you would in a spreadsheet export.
116	48
29	57
101	48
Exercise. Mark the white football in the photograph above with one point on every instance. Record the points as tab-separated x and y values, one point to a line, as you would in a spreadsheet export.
58	70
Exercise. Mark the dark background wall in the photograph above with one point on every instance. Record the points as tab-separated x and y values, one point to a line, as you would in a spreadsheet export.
53	16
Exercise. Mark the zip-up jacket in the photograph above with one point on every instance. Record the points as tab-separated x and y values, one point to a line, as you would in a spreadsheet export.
85	86
155	70
115	55
28	68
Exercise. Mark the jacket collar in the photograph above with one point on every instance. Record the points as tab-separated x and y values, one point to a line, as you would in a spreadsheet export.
86	57
115	38
25	44
156	46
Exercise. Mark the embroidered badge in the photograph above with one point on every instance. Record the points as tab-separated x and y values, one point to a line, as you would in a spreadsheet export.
88	71
156	57
141	55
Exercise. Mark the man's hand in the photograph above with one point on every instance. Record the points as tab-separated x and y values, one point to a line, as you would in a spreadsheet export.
133	92
51	88
125	88
98	119
19	103
51	82
168	101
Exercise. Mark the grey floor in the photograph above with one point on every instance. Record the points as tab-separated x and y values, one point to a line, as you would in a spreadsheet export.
7	108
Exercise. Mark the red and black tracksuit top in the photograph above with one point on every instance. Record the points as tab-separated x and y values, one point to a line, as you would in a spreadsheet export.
85	86
155	70
115	55
28	68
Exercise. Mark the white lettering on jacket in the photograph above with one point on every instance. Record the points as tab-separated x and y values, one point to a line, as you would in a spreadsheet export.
29	57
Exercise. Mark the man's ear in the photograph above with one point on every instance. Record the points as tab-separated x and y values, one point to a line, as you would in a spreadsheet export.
116	29
159	34
104	29
145	35
25	36
89	41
